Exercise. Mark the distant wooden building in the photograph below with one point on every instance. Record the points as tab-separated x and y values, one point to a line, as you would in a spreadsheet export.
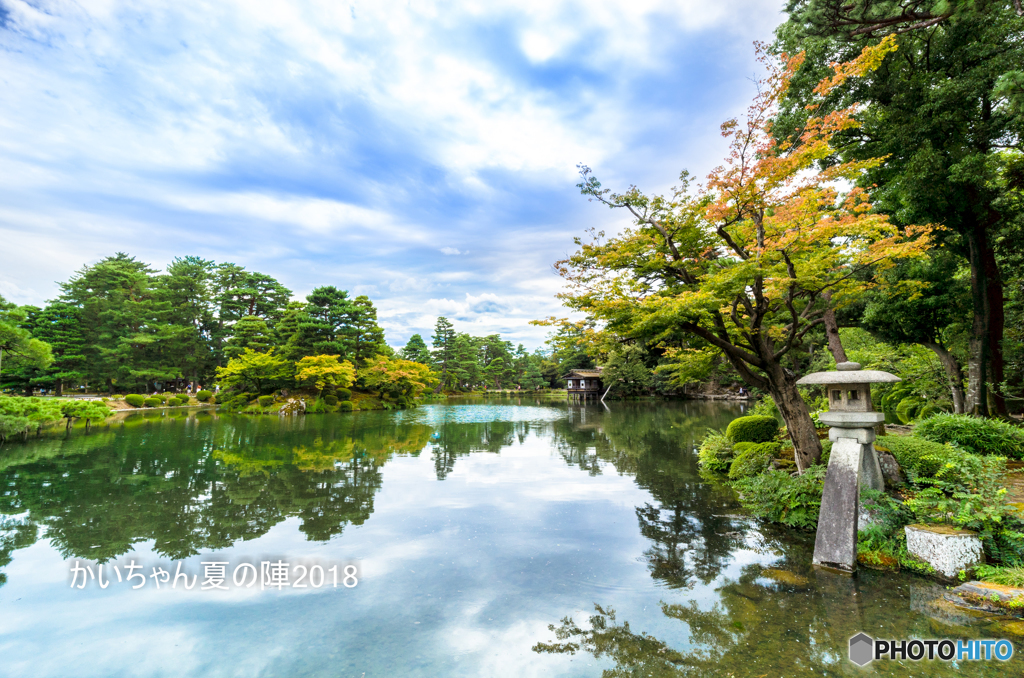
584	384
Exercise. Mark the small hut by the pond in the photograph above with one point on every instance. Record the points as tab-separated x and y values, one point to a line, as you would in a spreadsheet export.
584	384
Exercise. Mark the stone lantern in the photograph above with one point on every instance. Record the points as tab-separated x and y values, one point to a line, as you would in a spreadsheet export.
853	462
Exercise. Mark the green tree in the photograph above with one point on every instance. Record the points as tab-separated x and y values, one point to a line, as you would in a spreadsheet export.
60	326
258	370
444	350
942	113
250	331
367	337
937	317
326	327
626	372
416	350
324	371
397	380
27	356
188	291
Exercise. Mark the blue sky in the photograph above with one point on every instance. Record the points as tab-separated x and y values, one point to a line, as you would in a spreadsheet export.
422	153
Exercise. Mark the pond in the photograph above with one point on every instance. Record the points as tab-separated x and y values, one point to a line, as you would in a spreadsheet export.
516	537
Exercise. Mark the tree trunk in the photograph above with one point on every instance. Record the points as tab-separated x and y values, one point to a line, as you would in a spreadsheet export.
835	344
954	372
60	387
782	386
985	364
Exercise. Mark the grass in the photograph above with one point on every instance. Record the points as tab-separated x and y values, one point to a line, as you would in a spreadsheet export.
1005	576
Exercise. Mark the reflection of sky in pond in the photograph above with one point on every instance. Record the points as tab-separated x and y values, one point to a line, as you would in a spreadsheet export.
473	532
433	415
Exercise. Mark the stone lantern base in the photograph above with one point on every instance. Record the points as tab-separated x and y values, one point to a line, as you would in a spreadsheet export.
853	463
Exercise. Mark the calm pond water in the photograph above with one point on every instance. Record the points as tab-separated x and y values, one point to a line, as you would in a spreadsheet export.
514	538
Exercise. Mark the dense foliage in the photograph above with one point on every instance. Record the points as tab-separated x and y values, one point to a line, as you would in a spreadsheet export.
981	436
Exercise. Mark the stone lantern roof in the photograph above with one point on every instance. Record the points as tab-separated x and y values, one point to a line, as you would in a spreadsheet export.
848	373
848	390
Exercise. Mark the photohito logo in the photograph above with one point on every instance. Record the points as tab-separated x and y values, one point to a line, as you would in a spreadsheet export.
865	649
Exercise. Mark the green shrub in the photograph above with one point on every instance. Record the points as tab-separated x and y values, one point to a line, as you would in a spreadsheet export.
918	457
266	401
162	397
173	402
908	408
752	429
343	394
1007	576
970	494
715	452
204	395
765	407
346	406
135	400
780	498
752	458
331	400
974	434
152	402
930	410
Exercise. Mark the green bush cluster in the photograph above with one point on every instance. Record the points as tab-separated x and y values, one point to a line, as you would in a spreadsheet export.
752	458
755	429
152	402
135	400
204	395
715	453
265	400
346	406
331	400
19	415
974	434
343	394
776	496
174	402
917	457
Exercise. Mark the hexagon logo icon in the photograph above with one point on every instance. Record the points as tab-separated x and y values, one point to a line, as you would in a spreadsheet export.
861	649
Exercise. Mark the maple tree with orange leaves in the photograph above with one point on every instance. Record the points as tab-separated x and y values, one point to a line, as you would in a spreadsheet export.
751	261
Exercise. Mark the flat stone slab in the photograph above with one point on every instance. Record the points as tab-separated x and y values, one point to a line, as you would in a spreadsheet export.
851	419
946	549
992	597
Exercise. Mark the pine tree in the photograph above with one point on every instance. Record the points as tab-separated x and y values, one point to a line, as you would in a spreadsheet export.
443	353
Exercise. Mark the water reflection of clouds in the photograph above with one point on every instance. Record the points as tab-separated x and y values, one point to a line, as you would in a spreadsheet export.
459	577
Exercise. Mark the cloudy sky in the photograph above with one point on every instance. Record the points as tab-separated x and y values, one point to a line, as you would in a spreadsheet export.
423	153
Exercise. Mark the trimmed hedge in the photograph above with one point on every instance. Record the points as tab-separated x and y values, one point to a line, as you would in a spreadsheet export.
153	402
346	406
752	429
204	395
974	434
266	401
331	400
752	458
343	394
173	402
135	400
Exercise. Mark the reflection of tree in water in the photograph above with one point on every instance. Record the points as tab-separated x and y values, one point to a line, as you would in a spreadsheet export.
786	620
190	488
688	522
452	440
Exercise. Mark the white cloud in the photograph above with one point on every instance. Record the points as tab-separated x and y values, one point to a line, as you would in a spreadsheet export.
330	143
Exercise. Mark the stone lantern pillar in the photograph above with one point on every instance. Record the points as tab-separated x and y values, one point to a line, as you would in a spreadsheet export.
853	462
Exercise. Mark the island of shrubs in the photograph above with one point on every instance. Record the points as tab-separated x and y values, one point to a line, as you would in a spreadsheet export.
951	469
